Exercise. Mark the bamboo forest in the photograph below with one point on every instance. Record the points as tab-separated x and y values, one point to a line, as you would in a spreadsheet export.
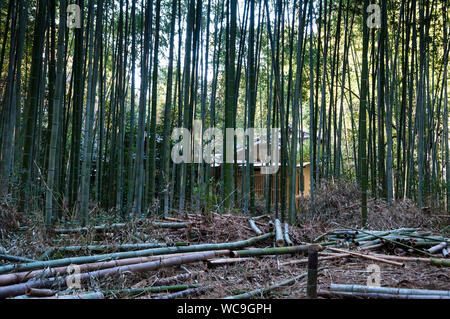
237	149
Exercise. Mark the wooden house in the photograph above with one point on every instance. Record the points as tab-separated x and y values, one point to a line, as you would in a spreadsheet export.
260	179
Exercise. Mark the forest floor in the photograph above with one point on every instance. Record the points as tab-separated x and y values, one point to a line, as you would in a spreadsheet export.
339	208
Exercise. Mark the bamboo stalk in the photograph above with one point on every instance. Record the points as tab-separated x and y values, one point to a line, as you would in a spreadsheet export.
305	260
279	240
438	248
311	288
342	294
8	279
371	247
226	261
368	257
185	293
118	247
445	252
34	292
134	292
402	258
287	239
270	251
440	262
129	254
177	278
88	295
387	290
174	225
19	289
15	258
254	227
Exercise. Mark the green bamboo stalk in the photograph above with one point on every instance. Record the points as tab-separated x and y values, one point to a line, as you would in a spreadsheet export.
134	292
396	242
388	290
174	225
15	258
129	254
270	251
185	293
118	247
440	262
376	295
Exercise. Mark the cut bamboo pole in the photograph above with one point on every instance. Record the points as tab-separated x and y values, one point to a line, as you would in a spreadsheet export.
254	227
279	240
438	248
185	293
88	295
387	290
134	292
15	258
287	239
270	251
8	279
117	247
371	247
130	254
226	261
176	279
34	292
402	258
445	252
342	294
305	260
440	262
311	287
19	289
367	257
174	225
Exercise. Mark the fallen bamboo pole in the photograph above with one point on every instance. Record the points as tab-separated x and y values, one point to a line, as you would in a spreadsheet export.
117	247
130	254
226	261
13	278
402	258
185	293
279	240
371	247
34	292
438	248
270	251
19	289
440	262
262	291
305	260
311	287
371	257
387	290
175	279
342	294
287	239
15	258
134	292
174	225
88	295
254	227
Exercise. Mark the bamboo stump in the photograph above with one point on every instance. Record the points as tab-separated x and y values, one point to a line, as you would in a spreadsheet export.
311	288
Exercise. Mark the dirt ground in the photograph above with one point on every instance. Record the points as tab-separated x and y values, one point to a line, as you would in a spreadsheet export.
338	209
